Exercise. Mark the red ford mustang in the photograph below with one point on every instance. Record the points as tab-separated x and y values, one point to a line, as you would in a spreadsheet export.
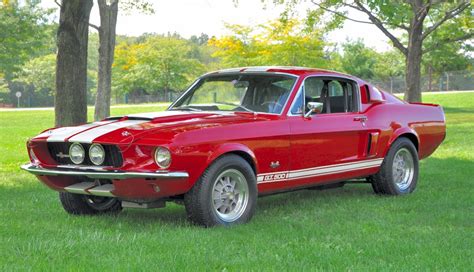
236	134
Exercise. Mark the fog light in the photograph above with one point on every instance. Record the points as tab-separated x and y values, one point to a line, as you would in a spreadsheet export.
76	153
162	157
97	154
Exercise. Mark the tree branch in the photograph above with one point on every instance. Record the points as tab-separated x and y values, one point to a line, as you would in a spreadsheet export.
94	26
449	14
449	40
57	3
340	14
402	26
377	22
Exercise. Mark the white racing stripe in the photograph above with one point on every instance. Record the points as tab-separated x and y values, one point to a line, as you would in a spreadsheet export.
61	134
318	171
89	135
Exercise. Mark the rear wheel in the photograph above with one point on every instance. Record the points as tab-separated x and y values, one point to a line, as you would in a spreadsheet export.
398	174
226	194
85	204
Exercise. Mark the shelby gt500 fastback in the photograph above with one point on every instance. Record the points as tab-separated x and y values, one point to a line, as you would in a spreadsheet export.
236	134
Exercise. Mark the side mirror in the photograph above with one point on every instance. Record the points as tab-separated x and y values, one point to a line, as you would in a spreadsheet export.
314	107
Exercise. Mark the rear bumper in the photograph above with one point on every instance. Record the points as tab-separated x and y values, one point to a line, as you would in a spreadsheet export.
101	174
123	184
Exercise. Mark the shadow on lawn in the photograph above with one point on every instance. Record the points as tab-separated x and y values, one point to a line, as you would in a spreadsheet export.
175	215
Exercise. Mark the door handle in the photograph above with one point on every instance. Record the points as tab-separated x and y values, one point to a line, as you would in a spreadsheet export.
361	118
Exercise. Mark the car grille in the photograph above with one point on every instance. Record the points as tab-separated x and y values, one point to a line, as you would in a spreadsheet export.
113	156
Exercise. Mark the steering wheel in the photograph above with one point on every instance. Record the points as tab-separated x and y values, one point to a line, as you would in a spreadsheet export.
274	103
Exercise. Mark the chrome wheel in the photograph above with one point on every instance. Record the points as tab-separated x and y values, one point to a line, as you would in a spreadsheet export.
403	169
230	195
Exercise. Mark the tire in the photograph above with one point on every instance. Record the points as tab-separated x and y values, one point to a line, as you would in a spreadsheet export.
398	174
89	205
213	200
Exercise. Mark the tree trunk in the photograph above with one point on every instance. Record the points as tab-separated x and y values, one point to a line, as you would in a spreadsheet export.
415	52
108	23
71	63
413	70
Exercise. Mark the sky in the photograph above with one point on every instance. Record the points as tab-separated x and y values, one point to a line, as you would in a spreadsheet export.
193	17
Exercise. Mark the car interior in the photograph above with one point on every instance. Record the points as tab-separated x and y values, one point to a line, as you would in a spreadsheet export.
337	96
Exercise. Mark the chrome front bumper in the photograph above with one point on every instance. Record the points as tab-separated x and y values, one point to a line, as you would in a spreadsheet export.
100	173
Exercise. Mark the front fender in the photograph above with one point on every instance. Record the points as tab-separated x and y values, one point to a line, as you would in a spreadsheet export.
225	148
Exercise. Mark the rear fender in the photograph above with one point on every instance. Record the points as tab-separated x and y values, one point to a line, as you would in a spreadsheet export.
400	132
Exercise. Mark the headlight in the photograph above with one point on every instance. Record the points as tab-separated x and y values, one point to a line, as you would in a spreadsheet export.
163	157
76	153
97	154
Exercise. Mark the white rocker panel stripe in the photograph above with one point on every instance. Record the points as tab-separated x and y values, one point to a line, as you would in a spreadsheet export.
61	134
90	135
318	171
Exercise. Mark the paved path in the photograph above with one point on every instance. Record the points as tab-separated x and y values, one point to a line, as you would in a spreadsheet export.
89	107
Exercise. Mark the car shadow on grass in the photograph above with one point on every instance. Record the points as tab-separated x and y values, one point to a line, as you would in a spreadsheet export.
174	215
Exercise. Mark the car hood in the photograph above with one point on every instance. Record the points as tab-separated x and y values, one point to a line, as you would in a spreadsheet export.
129	128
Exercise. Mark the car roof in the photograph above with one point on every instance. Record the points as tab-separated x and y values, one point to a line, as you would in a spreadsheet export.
292	70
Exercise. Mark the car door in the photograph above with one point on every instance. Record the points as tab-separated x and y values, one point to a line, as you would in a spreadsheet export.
331	144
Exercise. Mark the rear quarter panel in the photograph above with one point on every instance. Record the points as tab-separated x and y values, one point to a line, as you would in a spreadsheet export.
424	121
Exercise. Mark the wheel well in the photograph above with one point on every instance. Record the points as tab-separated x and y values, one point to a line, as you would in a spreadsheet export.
246	157
412	138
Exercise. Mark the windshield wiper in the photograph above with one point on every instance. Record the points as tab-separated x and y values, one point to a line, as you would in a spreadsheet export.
186	108
235	105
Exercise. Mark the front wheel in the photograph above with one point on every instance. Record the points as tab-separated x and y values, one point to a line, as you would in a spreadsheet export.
398	174
226	194
84	204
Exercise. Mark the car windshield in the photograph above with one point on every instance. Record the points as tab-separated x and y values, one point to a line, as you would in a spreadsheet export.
238	92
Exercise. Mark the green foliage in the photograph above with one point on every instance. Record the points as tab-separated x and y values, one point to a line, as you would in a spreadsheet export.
358	59
25	32
281	42
158	63
40	72
389	64
367	63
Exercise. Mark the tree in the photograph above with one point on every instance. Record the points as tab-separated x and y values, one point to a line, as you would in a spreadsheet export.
108	22
159	63
358	59
24	34
71	63
417	19
281	42
40	72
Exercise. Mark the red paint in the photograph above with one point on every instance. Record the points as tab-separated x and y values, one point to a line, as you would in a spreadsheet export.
198	139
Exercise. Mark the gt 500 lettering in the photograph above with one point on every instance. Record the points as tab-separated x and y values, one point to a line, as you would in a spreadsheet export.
275	177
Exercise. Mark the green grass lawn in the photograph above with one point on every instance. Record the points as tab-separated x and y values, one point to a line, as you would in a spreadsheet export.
348	228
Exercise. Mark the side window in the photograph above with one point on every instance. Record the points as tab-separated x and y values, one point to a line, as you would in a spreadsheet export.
337	96
297	107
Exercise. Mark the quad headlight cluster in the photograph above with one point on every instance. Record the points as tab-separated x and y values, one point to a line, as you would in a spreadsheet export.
77	154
